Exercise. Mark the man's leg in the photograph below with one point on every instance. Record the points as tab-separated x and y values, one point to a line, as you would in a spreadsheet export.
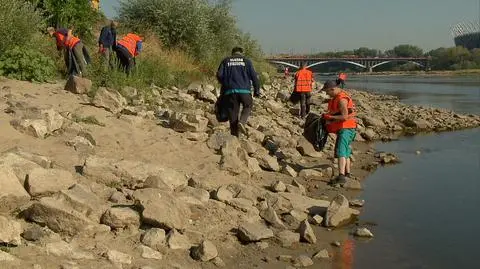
307	102
303	104
348	166
343	150
233	108
78	53
247	105
122	55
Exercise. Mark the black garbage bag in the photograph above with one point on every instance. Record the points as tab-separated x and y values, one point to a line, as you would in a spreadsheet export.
315	131
295	97
221	112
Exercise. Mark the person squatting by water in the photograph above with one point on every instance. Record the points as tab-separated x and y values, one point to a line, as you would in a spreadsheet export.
340	119
107	42
303	86
236	76
127	49
73	49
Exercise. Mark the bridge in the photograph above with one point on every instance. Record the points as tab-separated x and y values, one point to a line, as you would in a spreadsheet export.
366	63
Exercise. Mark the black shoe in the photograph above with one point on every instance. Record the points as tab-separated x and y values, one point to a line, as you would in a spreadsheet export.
340	179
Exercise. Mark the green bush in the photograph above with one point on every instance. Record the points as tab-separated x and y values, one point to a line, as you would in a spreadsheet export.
18	23
205	29
27	64
76	14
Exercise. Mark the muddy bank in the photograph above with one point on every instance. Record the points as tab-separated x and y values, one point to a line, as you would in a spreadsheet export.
130	179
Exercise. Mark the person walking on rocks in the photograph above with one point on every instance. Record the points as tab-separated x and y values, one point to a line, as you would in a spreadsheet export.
236	75
340	119
75	54
107	42
303	86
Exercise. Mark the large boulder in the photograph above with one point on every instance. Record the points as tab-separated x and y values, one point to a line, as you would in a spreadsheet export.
38	122
110	100
234	157
182	122
42	181
131	172
253	232
121	217
58	215
162	210
11	190
338	212
78	85
10	231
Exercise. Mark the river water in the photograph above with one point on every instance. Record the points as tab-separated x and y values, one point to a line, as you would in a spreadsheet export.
426	209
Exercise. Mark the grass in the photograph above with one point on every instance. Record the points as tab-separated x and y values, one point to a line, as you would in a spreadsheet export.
87	120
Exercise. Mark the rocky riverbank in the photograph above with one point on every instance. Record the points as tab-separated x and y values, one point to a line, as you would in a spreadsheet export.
151	180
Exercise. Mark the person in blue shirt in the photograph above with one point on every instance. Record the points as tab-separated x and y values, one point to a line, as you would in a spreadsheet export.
236	76
107	42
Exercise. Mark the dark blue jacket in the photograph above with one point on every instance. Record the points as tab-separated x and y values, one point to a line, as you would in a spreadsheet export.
108	37
237	73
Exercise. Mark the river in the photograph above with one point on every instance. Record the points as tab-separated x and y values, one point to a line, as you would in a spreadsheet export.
427	209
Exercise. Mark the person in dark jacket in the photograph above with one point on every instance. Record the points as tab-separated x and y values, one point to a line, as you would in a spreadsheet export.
236	75
107	42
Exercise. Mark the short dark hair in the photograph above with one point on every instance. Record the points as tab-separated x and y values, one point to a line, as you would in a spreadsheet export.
237	50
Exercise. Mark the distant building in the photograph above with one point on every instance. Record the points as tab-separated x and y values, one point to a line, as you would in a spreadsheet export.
467	35
95	4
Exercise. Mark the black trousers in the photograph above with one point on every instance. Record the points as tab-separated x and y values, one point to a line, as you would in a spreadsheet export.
126	59
232	103
304	103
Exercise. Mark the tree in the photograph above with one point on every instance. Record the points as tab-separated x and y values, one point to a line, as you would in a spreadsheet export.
407	51
205	29
75	14
365	52
18	23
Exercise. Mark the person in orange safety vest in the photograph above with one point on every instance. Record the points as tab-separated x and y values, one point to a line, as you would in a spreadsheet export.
340	119
303	86
127	49
72	47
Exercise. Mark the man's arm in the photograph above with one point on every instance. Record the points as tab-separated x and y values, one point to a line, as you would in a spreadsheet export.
221	72
253	77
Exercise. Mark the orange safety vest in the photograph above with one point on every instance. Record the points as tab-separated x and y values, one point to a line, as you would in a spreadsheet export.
130	43
61	40
342	76
334	109
303	80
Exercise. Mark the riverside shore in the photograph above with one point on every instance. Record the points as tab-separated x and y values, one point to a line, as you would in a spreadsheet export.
150	179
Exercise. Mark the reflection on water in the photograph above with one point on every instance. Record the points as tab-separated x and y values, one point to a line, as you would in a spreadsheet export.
424	206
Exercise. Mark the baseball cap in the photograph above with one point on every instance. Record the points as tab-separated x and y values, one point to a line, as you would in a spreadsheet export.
329	84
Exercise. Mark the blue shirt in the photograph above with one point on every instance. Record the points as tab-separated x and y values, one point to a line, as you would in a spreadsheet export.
108	37
237	73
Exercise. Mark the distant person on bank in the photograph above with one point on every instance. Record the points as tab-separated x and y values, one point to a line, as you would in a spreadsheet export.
303	86
72	48
236	76
107	42
127	49
340	119
342	77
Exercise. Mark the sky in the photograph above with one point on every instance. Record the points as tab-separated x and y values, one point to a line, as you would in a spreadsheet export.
308	26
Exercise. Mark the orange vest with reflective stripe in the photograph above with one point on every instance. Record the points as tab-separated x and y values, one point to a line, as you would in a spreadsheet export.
130	43
61	40
334	109
303	80
342	76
